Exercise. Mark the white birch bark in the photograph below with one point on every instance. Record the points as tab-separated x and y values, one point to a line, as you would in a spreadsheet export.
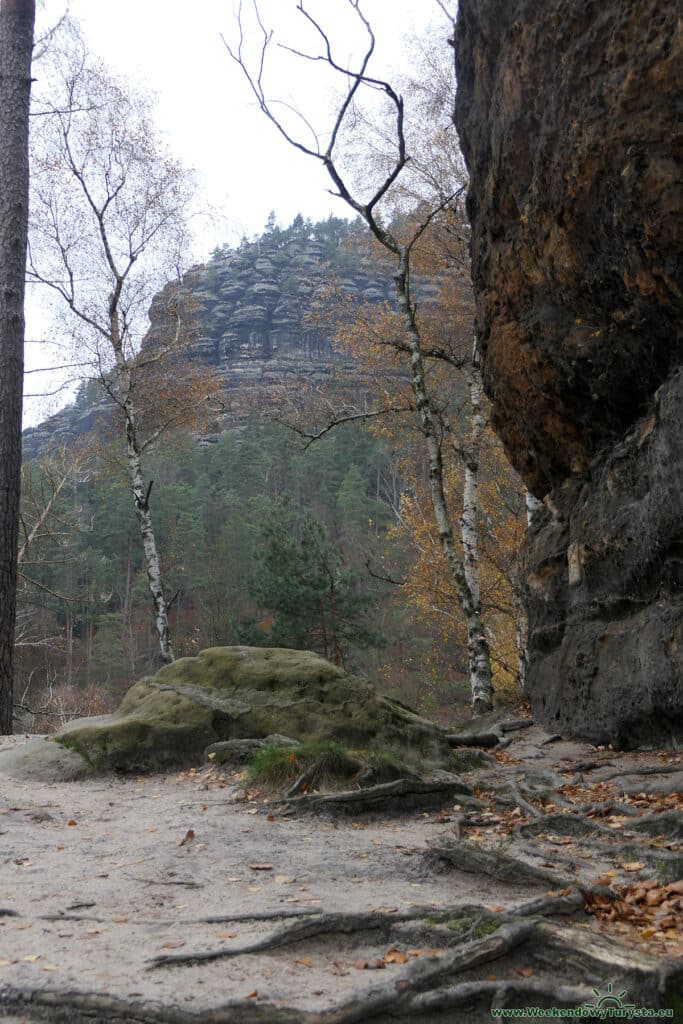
533	505
469	521
140	492
479	657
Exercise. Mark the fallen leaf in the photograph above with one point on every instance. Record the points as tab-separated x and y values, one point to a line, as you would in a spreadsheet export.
50	967
369	965
252	995
633	865
22	926
305	961
187	838
675	887
270	817
71	822
526	972
31	957
226	935
211	756
285	879
119	920
395	956
102	874
261	867
172	945
5	963
253	888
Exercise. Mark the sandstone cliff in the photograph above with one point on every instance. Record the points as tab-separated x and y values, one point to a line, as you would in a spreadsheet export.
248	308
569	114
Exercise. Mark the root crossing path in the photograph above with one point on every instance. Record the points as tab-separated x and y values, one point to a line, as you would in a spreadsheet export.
555	880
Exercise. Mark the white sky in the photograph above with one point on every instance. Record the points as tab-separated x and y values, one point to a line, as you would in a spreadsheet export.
243	168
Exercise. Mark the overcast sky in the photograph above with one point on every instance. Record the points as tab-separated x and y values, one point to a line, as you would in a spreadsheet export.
211	122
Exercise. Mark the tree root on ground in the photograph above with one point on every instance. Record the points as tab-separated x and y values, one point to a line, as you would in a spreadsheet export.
496	864
402	796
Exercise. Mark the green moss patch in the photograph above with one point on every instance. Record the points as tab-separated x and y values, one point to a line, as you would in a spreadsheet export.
232	693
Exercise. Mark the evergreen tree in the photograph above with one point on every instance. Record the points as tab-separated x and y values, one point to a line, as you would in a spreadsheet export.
300	577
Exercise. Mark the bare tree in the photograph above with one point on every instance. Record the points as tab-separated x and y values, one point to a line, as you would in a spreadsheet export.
17	19
370	204
108	229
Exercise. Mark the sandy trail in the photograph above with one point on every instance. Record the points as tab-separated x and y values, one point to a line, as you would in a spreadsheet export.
97	881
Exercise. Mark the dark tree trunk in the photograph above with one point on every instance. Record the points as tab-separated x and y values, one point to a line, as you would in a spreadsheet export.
16	43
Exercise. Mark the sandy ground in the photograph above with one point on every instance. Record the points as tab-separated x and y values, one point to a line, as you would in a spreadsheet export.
96	881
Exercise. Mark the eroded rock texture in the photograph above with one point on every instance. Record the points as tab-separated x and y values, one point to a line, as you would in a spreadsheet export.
569	114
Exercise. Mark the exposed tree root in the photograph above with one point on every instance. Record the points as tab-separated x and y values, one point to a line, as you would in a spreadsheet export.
480	739
402	795
496	864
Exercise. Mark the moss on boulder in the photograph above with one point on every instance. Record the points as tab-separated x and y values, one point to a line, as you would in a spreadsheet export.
229	693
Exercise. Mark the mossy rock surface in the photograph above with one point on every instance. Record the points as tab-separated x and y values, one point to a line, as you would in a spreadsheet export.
229	693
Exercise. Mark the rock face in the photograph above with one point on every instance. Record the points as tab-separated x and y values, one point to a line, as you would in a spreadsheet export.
248	313
230	693
569	115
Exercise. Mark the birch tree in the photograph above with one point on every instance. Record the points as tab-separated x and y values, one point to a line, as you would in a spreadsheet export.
108	229
17	19
371	202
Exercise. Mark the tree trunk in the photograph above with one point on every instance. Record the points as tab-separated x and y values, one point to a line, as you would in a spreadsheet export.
477	645
140	492
16	42
469	521
149	544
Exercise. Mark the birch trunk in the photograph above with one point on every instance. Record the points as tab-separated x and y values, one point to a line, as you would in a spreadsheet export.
477	644
16	42
137	482
469	521
149	544
533	505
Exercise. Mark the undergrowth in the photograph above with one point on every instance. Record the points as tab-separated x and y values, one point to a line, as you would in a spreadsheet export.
329	763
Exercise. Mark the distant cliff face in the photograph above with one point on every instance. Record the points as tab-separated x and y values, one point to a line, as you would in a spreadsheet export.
250	303
569	115
248	311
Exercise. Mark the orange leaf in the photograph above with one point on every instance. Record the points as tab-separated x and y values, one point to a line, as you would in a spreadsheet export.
187	838
526	972
225	935
71	822
395	956
172	945
252	995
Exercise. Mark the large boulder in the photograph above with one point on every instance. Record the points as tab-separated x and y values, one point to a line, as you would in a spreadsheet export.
249	692
569	117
